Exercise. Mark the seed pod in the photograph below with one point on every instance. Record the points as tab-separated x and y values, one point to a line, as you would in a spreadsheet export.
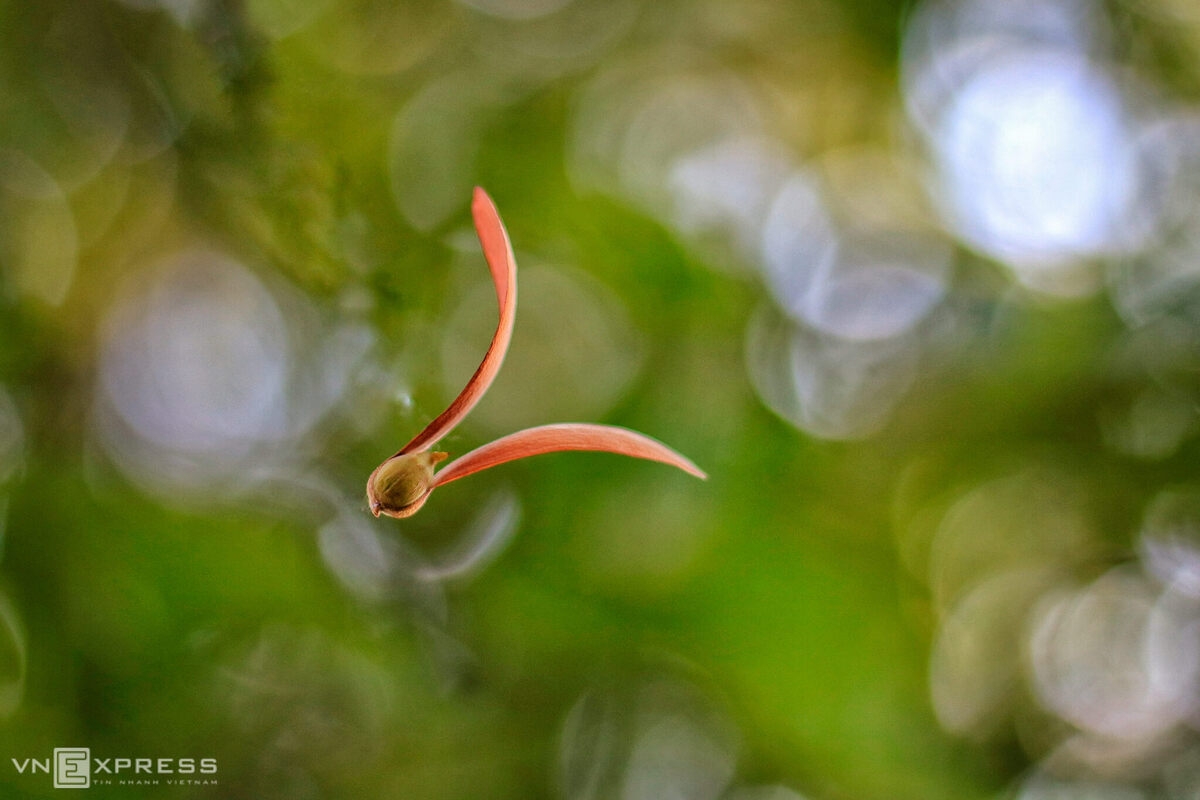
398	487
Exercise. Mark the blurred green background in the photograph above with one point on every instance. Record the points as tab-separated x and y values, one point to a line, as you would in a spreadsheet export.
917	284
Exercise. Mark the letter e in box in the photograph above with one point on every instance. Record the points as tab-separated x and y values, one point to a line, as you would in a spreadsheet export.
72	768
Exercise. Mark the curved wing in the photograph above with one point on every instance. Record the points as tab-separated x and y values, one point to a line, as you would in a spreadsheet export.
561	437
497	250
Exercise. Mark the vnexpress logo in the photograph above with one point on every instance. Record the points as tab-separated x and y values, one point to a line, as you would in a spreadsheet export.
74	768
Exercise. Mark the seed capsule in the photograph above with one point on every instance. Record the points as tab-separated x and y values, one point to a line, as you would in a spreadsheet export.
398	487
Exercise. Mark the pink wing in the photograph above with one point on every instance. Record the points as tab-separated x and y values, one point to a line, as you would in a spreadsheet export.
557	438
497	250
